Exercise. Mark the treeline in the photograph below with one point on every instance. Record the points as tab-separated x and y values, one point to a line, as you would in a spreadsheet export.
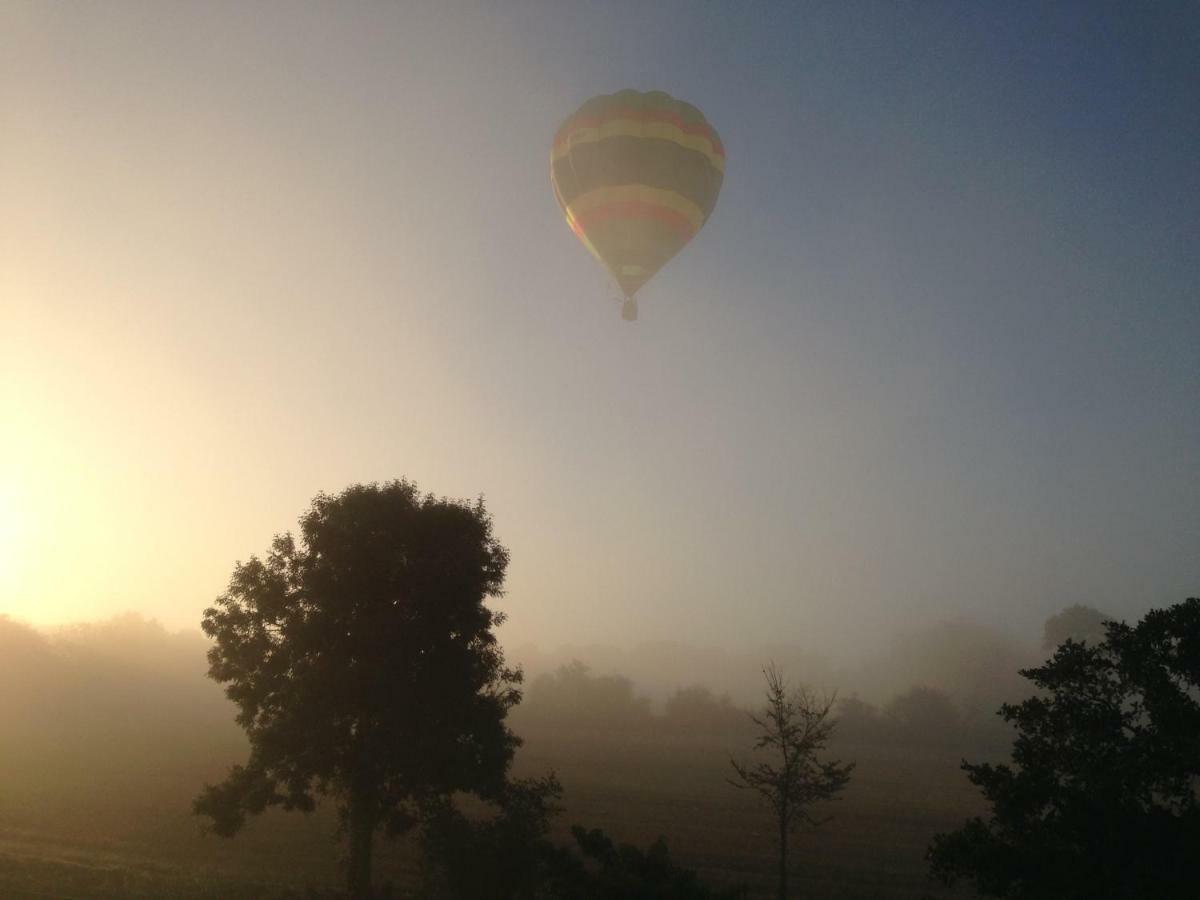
975	664
125	693
937	687
574	699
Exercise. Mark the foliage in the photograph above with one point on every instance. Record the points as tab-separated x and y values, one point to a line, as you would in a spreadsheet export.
1101	797
794	728
504	857
623	872
364	666
509	857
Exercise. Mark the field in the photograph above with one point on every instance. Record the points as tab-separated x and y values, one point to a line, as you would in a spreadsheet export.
130	834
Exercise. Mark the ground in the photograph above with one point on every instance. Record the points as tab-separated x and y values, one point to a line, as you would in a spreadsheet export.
131	834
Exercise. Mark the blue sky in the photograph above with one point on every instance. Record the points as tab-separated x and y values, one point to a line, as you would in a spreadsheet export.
934	356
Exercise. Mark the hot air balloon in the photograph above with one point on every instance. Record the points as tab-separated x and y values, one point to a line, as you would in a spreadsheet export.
636	175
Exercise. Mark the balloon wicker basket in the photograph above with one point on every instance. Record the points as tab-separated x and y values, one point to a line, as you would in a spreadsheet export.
629	310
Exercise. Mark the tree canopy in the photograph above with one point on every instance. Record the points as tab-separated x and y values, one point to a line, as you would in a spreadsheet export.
364	665
1100	800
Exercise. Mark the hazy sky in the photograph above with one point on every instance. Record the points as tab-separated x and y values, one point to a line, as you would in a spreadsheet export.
936	354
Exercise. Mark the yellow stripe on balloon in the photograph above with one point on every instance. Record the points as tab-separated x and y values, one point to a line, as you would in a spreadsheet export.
631	128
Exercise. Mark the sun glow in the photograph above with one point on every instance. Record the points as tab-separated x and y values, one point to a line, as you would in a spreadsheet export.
10	532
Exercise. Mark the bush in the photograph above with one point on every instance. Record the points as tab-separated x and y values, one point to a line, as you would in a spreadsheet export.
509	856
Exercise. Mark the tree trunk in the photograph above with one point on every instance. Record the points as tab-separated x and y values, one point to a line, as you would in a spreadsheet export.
362	836
783	844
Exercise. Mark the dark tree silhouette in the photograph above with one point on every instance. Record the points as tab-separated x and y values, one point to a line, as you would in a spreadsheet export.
505	856
794	727
509	856
364	665
1101	798
623	872
1078	623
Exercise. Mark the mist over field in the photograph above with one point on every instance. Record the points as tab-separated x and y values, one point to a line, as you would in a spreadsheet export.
111	727
128	682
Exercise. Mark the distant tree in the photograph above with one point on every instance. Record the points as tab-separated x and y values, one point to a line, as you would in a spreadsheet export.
975	664
1101	799
923	715
1078	623
794	727
697	710
858	720
572	695
364	665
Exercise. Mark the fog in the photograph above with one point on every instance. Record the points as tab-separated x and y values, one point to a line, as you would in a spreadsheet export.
98	715
104	690
918	394
110	729
975	663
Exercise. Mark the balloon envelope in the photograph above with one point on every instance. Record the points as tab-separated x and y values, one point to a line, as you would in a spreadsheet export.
636	175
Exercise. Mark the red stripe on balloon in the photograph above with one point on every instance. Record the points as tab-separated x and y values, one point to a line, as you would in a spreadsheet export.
636	209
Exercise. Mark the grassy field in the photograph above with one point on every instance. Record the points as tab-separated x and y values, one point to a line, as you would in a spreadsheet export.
130	834
873	847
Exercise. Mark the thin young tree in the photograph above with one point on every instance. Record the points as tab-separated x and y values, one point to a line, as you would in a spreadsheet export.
795	726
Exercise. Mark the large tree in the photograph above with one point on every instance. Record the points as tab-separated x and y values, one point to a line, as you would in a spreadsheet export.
363	661
794	728
1101	799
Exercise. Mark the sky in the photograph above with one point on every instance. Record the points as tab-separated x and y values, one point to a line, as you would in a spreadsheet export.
935	356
